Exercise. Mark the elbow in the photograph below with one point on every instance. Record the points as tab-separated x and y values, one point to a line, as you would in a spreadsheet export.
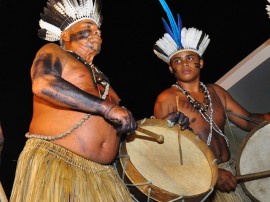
39	87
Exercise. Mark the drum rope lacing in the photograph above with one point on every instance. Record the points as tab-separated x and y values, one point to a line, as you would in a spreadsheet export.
207	118
208	194
126	158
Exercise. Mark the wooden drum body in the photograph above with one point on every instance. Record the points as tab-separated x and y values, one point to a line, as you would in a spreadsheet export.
156	168
253	157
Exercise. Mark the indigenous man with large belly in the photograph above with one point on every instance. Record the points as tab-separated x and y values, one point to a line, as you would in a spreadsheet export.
77	122
96	139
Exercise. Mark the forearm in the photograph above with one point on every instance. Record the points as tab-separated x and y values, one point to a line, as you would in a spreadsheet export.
262	117
259	118
64	94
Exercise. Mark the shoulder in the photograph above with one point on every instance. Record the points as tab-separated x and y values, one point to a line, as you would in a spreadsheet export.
220	90
220	93
51	48
167	94
52	52
51	56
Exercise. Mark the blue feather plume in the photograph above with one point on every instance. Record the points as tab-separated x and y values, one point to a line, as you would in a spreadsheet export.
175	29
167	28
180	28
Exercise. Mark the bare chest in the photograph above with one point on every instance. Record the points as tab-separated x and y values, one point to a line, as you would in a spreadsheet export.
87	80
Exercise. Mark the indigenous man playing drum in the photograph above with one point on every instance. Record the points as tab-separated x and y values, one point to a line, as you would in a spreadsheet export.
205	105
77	123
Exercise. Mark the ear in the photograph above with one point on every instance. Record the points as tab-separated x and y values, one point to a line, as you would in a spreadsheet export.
201	63
171	70
65	36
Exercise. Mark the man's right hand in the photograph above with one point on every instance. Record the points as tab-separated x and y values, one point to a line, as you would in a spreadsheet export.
121	118
226	181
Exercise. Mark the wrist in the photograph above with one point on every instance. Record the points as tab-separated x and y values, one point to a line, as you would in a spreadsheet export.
109	107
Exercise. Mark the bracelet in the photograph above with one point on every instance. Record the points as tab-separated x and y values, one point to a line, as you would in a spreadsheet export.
109	109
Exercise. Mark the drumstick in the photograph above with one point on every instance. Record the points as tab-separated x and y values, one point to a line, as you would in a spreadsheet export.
253	176
179	132
159	138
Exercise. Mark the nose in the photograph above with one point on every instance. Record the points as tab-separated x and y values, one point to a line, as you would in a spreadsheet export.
97	32
185	63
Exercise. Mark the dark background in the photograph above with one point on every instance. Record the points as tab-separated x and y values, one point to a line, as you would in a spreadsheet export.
130	29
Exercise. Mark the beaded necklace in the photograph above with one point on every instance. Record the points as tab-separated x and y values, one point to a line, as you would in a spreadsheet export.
98	76
207	118
203	107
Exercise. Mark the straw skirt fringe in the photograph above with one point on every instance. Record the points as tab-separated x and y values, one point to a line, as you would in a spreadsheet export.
237	196
50	173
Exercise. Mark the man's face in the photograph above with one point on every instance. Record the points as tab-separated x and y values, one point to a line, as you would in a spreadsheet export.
186	65
86	35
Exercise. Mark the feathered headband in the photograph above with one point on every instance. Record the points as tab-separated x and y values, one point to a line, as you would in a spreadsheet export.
61	14
268	8
178	39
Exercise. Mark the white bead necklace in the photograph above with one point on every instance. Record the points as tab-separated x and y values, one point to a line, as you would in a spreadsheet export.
207	118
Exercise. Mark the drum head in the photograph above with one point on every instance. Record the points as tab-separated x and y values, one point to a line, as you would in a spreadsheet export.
253	157
159	163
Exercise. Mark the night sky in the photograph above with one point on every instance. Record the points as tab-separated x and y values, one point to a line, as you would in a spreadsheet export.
130	29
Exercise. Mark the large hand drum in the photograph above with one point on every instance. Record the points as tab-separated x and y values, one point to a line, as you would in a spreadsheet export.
253	163
154	167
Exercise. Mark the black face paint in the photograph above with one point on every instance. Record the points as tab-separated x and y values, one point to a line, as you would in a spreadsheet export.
80	35
197	65
83	35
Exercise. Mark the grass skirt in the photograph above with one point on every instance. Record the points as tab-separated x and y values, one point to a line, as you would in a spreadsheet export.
47	172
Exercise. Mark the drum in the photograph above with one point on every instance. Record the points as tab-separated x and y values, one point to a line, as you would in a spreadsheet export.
154	168
253	159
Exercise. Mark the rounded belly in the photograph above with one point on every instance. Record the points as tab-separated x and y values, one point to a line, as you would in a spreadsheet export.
95	139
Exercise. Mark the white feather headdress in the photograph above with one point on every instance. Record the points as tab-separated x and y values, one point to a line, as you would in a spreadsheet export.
268	8
178	39
61	14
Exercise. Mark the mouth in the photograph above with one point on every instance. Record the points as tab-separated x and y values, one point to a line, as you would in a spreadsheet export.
186	71
90	46
93	43
93	48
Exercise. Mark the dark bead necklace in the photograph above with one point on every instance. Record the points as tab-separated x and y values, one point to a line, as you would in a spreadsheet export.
98	76
203	107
